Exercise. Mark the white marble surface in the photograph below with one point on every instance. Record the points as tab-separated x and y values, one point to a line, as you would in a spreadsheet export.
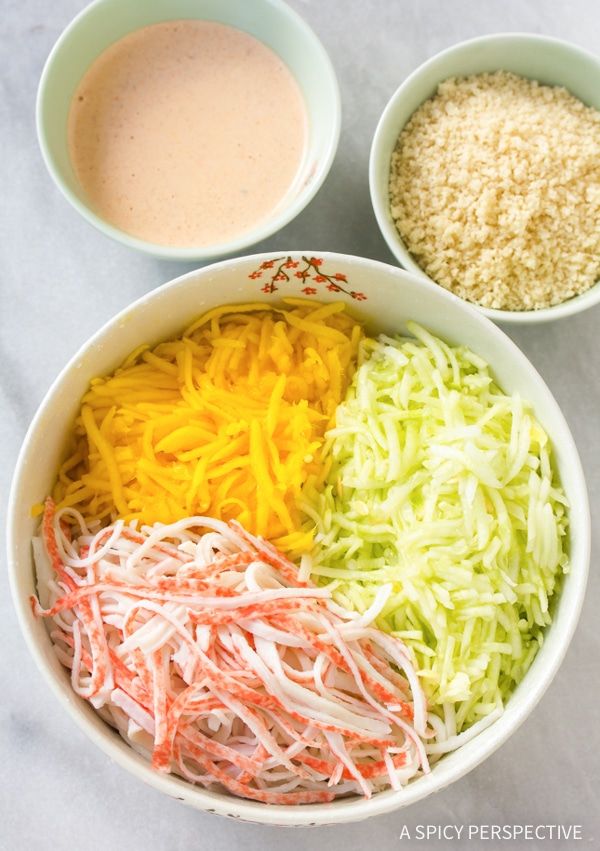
60	280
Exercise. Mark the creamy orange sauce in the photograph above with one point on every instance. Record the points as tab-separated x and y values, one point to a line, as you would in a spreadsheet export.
187	133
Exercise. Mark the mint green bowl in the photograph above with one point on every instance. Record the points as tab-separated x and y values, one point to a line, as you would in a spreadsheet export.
548	60
271	21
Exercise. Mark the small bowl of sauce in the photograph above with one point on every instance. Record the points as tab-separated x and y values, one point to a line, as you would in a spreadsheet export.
188	130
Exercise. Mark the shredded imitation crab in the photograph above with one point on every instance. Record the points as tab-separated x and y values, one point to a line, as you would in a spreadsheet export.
214	655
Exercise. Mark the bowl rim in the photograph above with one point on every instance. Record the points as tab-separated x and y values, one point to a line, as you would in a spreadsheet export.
343	811
394	241
211	252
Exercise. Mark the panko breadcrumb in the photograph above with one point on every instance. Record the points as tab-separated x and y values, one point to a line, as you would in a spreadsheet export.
495	190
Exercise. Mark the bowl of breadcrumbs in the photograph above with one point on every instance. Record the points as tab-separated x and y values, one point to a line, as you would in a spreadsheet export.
485	175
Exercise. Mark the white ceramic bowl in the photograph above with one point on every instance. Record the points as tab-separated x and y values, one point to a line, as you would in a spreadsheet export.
384	297
271	21
538	57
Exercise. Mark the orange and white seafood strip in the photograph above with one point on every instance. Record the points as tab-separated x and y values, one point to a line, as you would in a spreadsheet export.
214	655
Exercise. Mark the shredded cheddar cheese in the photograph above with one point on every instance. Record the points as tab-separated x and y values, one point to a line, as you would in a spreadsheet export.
228	420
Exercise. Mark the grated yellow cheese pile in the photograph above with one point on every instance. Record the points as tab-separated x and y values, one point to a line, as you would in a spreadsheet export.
227	420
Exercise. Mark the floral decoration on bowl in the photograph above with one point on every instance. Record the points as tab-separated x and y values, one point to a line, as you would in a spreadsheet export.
308	270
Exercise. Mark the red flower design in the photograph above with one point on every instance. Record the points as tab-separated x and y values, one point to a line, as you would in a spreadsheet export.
306	270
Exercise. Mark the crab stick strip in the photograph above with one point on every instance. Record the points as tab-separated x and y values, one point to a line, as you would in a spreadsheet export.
201	640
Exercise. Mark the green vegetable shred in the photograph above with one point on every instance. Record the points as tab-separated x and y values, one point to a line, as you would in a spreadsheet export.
443	485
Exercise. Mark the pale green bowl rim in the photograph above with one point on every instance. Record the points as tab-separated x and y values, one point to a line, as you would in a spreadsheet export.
570	307
223	249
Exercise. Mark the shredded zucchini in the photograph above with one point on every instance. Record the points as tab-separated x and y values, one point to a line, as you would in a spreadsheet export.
443	485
